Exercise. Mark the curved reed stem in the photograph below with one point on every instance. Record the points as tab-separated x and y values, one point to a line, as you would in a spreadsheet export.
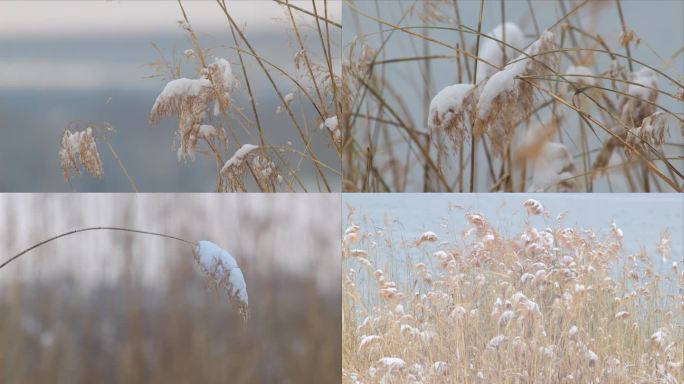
91	229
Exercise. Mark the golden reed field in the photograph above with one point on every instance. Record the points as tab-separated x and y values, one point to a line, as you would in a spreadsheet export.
554	304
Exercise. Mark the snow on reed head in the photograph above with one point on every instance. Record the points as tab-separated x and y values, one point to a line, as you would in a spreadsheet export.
448	112
553	170
640	98
79	145
651	133
189	99
533	207
223	270
428	236
493	52
506	99
332	125
246	157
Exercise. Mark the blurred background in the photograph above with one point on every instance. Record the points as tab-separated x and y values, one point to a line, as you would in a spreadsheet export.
72	60
116	307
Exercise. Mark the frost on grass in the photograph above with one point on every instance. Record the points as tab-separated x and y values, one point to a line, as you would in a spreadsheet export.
553	170
81	146
493	51
189	100
506	98
218	265
448	112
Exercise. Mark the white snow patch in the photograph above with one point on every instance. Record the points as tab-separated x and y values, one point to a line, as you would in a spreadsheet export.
180	88
367	340
447	101
207	131
492	51
533	207
552	166
392	362
330	123
239	156
222	267
226	72
504	80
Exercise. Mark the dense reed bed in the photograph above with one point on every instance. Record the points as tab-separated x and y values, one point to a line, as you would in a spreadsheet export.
484	304
512	96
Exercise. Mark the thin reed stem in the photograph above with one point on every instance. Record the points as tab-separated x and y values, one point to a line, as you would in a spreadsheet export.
92	229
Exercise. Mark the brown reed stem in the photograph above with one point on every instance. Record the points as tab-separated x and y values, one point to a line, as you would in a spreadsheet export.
91	229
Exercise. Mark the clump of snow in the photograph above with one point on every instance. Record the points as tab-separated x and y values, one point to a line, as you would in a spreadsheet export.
222	67
533	207
288	99
238	157
659	338
591	356
496	341
222	268
428	236
645	77
175	90
366	341
448	110
332	125
493	52
505	80
553	170
392	363
207	130
446	102
500	82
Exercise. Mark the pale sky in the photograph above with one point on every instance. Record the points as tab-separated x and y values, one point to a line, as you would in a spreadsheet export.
75	18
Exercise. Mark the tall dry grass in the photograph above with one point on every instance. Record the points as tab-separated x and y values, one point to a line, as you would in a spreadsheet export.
201	93
113	307
550	304
584	113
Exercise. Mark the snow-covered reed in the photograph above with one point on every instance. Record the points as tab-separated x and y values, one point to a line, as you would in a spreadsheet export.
549	303
213	98
216	263
610	114
81	146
